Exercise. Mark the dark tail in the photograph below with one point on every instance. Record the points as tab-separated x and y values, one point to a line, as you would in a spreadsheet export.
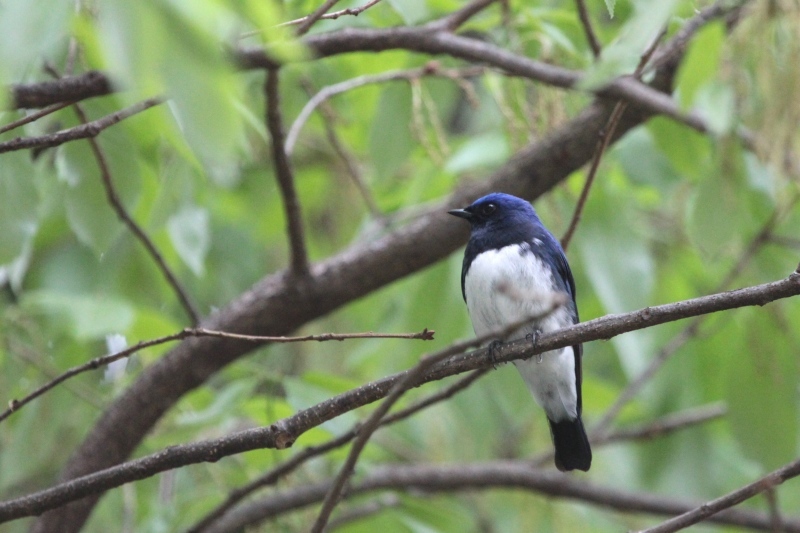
572	445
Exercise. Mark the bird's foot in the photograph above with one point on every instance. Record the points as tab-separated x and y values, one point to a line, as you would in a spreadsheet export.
495	347
533	338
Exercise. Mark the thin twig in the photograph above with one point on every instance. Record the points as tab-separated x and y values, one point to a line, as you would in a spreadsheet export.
315	16
282	470
657	428
591	36
84	131
138	232
605	139
283	172
350	162
15	405
455	20
768	482
602	145
354	11
431	69
408	381
27	119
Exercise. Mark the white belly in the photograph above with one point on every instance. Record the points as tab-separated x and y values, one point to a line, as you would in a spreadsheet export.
507	285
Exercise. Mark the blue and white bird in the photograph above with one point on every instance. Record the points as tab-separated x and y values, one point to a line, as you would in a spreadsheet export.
513	268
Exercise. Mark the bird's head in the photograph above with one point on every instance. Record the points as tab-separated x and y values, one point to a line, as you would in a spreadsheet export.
497	210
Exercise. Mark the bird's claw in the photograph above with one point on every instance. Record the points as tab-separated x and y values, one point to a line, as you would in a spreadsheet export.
494	346
533	338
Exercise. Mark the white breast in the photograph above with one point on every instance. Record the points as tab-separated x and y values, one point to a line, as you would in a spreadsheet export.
507	285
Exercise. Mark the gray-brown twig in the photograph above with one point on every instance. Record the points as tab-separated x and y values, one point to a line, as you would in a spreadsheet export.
586	22
283	172
311	19
116	204
84	131
15	405
709	509
354	11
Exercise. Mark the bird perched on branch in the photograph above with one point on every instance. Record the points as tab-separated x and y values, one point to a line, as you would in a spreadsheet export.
515	269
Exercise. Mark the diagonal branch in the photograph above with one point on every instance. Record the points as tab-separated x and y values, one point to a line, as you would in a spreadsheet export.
602	144
283	172
283	433
27	119
98	362
271	477
354	11
87	130
707	510
122	213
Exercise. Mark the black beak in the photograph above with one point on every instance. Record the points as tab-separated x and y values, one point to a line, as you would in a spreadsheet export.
461	213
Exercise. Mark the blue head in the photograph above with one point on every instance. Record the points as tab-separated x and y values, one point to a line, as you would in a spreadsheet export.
499	219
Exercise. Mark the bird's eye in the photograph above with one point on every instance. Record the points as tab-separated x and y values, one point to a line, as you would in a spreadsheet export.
488	209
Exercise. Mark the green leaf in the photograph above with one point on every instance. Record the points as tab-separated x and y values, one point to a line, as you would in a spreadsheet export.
31	31
716	102
412	11
711	227
18	202
85	316
622	56
487	150
158	47
89	213
762	390
701	63
610	5
190	234
390	138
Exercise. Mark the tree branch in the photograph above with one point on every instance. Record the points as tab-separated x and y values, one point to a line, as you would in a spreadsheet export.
295	462
98	362
122	213
283	172
431	69
65	89
586	22
84	131
710	509
311	19
27	119
354	11
283	433
483	476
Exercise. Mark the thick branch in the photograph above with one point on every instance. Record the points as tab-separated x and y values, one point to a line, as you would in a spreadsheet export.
66	89
482	476
283	433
